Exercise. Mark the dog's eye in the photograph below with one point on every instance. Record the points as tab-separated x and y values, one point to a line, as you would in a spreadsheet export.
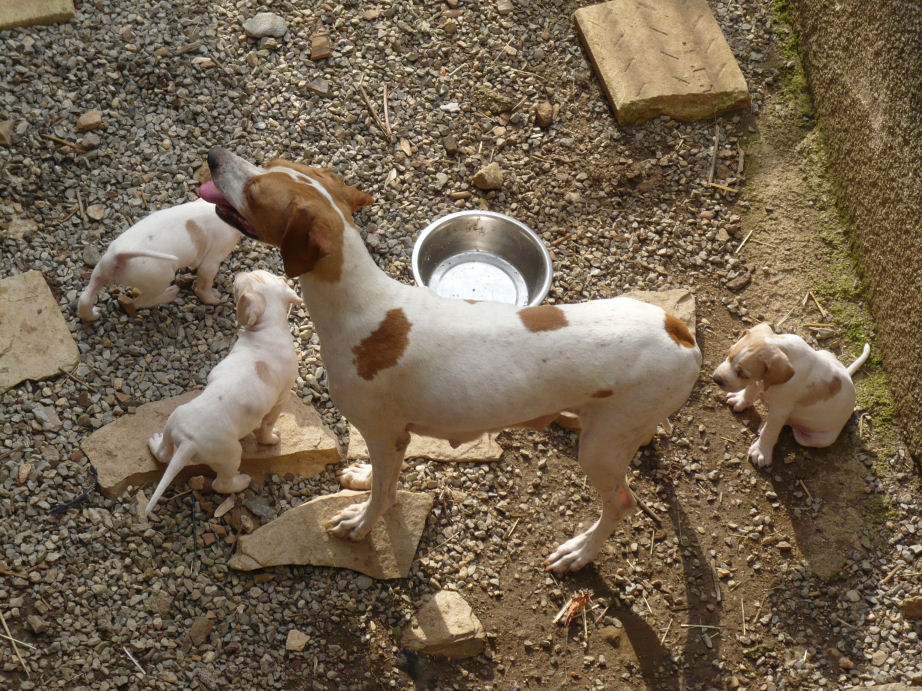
740	373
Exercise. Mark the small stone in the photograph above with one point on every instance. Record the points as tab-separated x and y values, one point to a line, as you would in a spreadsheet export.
202	174
21	228
544	114
611	635
6	132
296	641
369	15
47	417
912	607
784	545
265	24
36	623
196	482
90	120
504	7
258	505
853	596
489	177
320	46
446	625
24	471
89	142
739	282
200	630
203	62
252	59
127	305
450	27
450	144
878	658
96	211
845	663
321	87
269	43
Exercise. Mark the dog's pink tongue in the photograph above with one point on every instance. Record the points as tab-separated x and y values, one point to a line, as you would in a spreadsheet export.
210	193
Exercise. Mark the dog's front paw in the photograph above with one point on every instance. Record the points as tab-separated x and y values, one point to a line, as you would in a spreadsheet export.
738	400
209	296
572	555
760	457
356	476
269	438
351	523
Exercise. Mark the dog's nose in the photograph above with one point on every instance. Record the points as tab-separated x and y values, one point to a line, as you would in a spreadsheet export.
214	159
718	379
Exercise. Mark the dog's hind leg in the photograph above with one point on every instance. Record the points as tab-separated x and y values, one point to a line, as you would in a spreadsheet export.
356	521
225	461
605	452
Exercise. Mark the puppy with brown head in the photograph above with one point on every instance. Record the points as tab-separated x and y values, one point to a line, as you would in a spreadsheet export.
807	389
245	392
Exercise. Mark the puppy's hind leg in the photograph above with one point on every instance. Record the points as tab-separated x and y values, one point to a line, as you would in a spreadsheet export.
605	452
356	521
225	461
355	476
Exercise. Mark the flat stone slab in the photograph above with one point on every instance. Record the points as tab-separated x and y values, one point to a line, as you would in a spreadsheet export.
35	342
445	625
120	455
28	12
481	450
661	57
299	536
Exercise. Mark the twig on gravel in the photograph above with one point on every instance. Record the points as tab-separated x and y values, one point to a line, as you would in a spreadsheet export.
745	239
136	663
704	626
889	576
73	377
5	572
662	640
646	509
809	496
74	146
82	210
10	638
819	306
67	217
373	110
743	612
723	187
785	317
509	532
15	647
387	117
716	581
714	154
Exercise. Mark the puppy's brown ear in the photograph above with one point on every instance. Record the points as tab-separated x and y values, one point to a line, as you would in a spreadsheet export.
250	307
307	239
778	369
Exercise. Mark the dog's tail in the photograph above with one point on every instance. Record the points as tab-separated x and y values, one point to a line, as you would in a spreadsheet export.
852	368
107	270
181	457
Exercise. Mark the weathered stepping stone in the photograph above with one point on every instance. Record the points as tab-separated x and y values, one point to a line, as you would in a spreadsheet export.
26	13
445	625
299	536
661	57
35	342
120	455
481	450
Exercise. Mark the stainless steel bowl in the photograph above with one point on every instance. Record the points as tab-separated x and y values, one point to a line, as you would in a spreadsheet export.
482	255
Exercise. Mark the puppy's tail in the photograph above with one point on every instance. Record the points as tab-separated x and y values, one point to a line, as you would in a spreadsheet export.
181	457
852	368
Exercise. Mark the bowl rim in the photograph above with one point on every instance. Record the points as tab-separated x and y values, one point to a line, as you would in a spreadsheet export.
548	264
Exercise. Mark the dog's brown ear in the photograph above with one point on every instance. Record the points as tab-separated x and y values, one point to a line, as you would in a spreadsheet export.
778	369
356	198
250	306
307	239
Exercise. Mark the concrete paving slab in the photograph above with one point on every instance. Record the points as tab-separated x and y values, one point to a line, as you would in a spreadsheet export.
661	57
35	342
28	12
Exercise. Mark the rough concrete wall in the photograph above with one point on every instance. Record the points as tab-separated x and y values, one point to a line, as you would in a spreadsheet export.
864	65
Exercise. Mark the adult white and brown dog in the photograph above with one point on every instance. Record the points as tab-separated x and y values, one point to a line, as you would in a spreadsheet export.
245	392
148	254
810	390
401	359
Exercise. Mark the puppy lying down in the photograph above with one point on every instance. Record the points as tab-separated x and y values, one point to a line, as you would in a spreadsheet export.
148	254
245	392
810	390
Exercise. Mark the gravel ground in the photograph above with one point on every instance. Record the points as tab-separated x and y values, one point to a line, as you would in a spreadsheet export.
622	208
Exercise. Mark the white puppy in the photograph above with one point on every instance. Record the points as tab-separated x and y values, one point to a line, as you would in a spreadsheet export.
148	254
246	391
810	390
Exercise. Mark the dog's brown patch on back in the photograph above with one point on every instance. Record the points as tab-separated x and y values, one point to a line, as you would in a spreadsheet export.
543	318
197	235
263	371
384	346
603	393
473	302
678	332
817	392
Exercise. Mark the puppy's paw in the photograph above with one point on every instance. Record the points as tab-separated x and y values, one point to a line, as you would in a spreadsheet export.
355	476
351	523
759	456
209	296
231	485
269	438
572	555
89	315
154	444
738	400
